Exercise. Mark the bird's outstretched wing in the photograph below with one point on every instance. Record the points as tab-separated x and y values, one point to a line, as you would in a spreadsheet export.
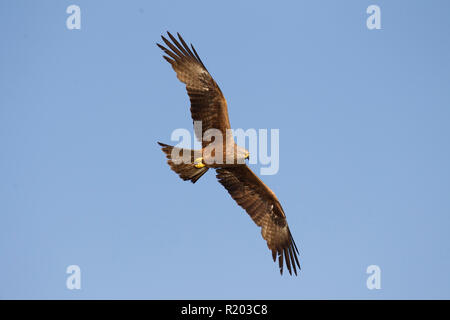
265	210
208	104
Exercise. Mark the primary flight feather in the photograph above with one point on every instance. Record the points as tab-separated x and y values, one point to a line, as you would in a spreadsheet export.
209	106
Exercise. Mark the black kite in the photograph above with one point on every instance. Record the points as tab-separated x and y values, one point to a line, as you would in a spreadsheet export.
209	106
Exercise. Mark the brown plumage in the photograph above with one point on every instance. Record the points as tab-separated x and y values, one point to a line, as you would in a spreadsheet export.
209	106
265	210
186	171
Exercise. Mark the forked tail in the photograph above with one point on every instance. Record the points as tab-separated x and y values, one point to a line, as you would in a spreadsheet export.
183	163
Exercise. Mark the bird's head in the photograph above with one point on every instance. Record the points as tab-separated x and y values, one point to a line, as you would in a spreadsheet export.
241	154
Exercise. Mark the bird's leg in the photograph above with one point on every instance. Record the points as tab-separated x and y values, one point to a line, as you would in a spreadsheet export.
198	163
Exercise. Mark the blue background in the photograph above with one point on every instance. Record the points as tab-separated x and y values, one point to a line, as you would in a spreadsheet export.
364	149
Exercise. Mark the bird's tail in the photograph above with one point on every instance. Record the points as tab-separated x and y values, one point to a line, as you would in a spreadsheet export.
182	162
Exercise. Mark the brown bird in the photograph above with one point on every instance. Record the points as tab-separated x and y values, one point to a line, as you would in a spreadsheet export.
209	106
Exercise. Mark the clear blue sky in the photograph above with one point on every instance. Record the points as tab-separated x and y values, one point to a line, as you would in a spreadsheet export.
364	149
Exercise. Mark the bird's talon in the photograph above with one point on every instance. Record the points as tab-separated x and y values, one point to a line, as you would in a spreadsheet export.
198	163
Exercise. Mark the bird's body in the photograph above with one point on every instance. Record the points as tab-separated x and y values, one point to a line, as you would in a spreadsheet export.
224	155
219	152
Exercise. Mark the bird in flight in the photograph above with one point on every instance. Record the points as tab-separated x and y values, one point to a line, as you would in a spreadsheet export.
209	106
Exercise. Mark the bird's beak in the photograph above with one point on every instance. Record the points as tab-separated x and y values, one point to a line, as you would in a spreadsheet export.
247	156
